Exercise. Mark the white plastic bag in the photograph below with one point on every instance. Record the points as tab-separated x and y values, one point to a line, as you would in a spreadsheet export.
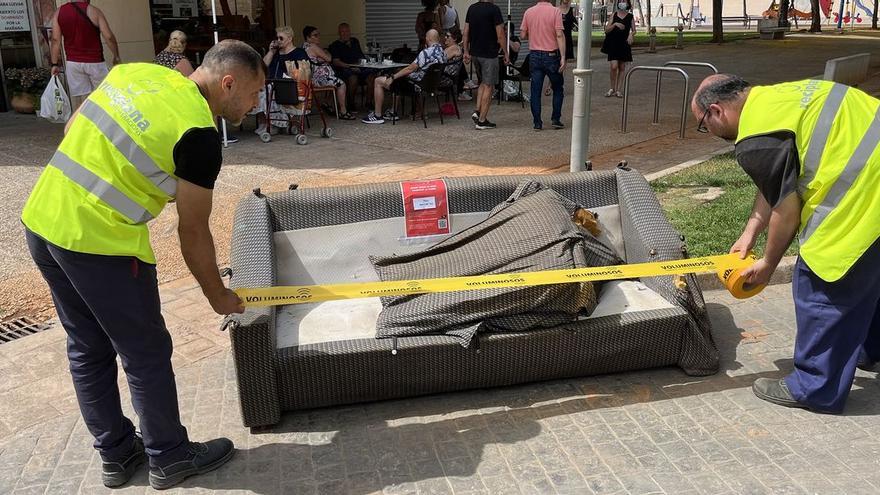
54	104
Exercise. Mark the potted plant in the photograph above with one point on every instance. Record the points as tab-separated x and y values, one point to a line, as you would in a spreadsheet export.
26	86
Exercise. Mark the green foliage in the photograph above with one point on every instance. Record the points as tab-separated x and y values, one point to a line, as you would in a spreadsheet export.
710	226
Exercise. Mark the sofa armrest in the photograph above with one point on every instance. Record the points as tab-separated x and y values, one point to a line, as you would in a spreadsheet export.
252	333
648	236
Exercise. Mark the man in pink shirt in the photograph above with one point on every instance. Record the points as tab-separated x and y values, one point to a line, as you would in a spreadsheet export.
542	26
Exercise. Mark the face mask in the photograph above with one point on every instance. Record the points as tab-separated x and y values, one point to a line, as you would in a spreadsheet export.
622	6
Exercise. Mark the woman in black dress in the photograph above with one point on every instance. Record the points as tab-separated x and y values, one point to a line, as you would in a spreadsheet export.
619	32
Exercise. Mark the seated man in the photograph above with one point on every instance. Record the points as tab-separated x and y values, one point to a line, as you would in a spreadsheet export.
346	51
414	72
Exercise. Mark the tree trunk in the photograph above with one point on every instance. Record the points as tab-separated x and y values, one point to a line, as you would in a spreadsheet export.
816	25
717	29
874	17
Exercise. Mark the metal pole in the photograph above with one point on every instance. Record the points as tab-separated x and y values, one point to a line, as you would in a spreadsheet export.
217	40
580	119
657	98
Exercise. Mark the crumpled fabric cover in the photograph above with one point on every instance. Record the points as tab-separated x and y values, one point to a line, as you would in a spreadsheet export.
530	231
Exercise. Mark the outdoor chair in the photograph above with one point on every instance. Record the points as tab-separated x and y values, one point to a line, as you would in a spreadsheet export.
419	91
317	90
449	81
323	354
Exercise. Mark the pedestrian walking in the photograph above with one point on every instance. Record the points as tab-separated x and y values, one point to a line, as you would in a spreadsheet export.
80	26
145	137
542	26
620	32
483	38
813	149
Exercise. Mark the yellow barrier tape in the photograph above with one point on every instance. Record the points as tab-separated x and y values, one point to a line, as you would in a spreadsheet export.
301	294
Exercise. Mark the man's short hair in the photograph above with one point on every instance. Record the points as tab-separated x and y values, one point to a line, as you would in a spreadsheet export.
726	87
342	25
228	55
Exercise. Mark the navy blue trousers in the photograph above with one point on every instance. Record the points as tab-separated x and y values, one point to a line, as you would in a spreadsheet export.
543	64
109	306
837	323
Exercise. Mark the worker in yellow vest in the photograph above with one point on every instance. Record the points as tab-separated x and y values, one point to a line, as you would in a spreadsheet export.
813	149
144	137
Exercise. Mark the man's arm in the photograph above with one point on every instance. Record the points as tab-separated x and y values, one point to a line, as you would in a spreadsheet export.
55	42
560	42
465	42
502	41
107	33
197	246
756	224
784	222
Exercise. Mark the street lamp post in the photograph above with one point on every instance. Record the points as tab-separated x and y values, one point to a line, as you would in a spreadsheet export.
580	120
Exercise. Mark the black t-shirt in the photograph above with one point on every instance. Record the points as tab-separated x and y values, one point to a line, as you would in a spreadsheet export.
198	156
482	18
278	67
772	161
350	52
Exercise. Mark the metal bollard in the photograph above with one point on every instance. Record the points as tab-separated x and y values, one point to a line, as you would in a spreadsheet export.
679	38
652	40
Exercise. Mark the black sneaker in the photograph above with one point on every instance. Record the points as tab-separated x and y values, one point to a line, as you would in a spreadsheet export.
475	117
116	473
557	124
372	118
201	458
230	139
776	392
537	127
482	126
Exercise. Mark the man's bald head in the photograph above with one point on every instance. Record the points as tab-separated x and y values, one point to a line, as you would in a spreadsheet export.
719	88
718	102
432	37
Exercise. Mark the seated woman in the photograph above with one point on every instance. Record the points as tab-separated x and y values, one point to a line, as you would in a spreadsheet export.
322	72
281	50
172	56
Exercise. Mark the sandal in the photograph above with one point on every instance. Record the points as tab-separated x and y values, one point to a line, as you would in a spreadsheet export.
609	94
347	116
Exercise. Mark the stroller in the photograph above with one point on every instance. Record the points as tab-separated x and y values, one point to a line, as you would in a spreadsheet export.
295	98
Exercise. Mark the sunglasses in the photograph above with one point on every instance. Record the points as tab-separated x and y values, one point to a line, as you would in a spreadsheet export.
701	127
280	38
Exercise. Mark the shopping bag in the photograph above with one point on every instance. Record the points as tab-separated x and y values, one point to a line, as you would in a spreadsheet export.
54	104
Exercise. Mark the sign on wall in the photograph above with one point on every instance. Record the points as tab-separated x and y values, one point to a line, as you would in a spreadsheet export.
14	16
183	8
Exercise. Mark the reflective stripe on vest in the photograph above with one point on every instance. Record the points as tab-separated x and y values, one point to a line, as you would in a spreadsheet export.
129	149
99	187
850	172
820	135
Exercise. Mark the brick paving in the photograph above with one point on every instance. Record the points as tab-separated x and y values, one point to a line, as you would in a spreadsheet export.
652	431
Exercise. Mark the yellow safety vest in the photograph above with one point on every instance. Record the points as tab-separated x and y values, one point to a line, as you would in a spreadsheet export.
837	134
114	170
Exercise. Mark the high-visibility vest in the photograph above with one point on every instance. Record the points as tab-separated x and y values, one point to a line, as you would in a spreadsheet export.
114	170
837	134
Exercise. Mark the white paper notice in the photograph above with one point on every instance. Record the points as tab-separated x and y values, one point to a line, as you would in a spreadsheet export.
424	203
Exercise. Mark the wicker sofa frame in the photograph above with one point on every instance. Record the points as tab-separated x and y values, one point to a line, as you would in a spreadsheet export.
272	380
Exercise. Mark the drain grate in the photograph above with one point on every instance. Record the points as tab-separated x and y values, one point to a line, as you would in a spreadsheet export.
18	328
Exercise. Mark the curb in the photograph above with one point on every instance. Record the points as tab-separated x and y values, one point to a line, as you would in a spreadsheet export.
782	275
688	164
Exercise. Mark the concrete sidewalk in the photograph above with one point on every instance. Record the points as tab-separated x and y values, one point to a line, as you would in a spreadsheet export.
653	431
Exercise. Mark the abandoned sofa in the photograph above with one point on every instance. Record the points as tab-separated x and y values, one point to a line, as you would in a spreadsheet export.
312	355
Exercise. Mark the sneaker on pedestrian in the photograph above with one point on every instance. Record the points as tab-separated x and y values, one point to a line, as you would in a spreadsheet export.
231	139
372	118
391	115
538	127
465	97
117	472
609	93
557	124
475	117
200	458
482	126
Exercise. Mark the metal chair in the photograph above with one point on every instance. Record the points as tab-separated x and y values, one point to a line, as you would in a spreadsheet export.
428	86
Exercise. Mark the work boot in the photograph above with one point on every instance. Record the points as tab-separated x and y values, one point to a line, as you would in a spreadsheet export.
117	472
775	391
200	459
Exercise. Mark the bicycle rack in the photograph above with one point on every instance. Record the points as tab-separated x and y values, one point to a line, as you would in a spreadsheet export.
678	63
659	70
